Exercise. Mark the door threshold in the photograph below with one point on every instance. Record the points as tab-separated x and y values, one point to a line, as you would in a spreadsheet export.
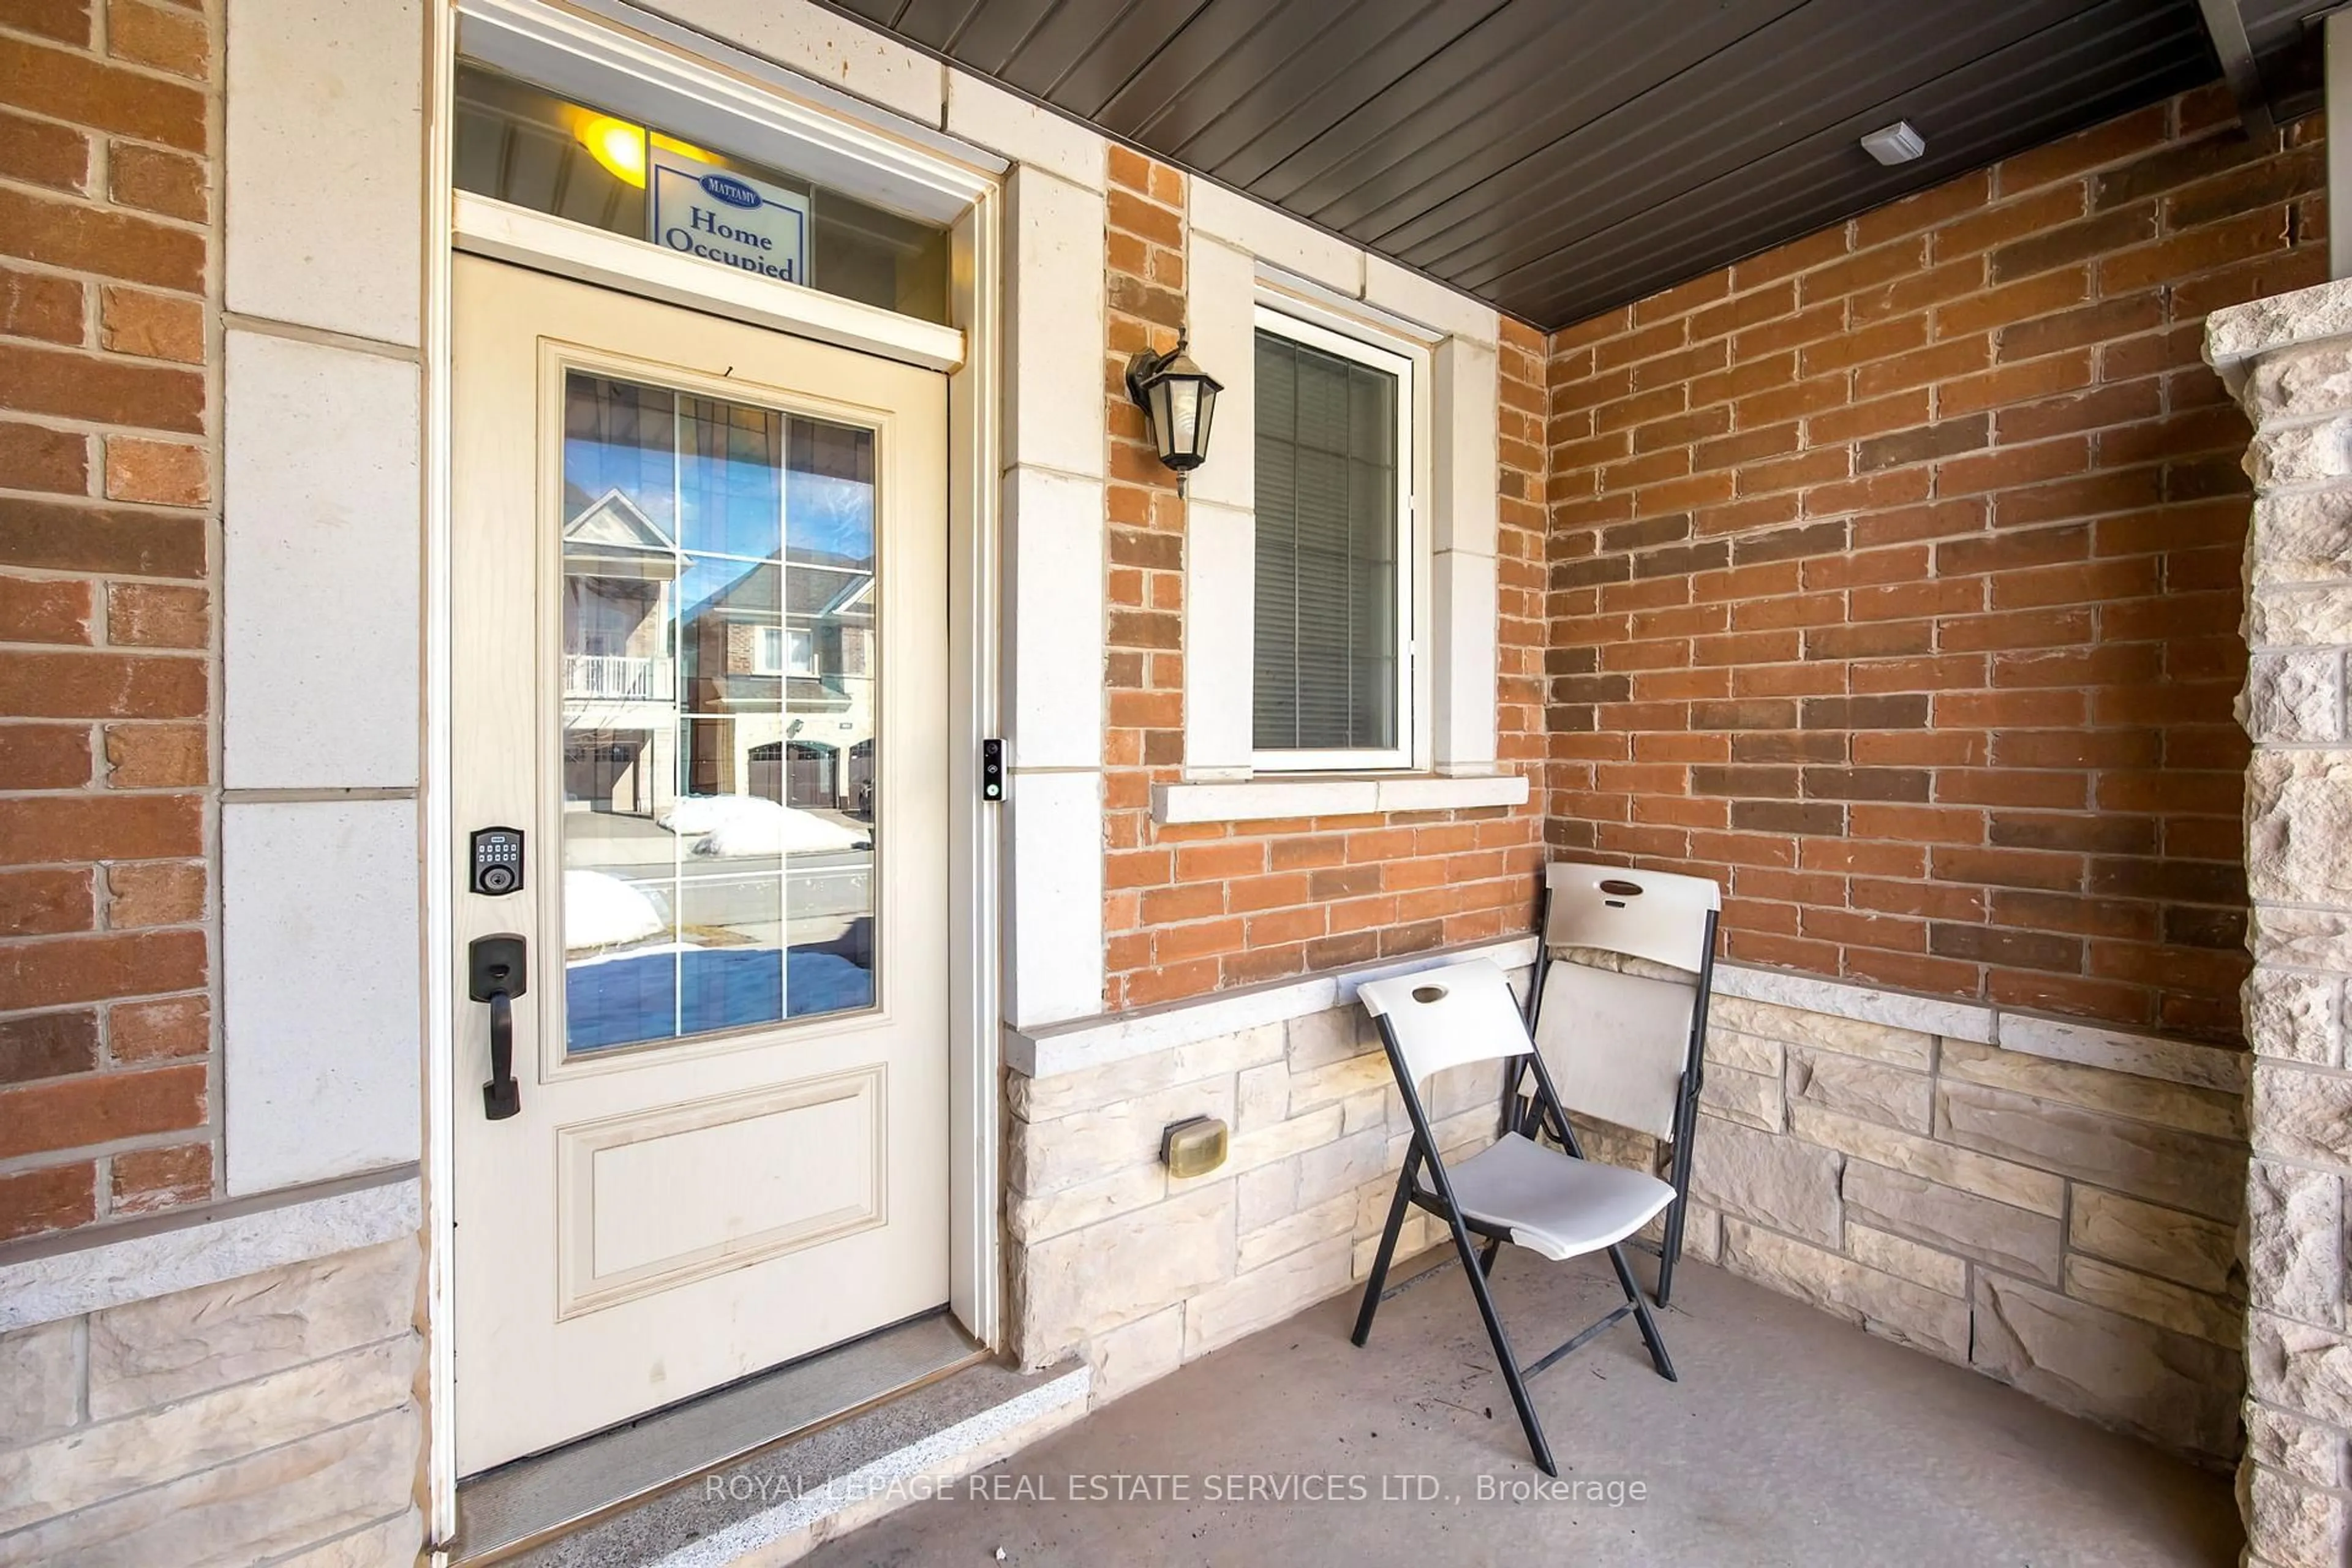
525	1502
792	1496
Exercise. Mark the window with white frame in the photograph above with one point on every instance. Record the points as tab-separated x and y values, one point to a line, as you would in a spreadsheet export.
1332	677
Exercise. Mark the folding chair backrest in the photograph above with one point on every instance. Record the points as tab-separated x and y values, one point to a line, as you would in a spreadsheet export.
1617	1045
1655	915
1444	1018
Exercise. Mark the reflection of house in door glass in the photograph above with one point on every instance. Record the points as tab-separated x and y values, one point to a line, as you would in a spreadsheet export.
718	676
617	570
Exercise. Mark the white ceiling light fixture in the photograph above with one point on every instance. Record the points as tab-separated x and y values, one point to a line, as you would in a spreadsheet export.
1896	143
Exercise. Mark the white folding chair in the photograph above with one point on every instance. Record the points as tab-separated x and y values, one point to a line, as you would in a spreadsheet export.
1629	1049
1514	1190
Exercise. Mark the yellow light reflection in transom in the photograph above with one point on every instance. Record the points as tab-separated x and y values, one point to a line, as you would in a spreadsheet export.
618	145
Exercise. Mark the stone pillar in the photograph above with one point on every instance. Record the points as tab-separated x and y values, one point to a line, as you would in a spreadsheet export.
2288	359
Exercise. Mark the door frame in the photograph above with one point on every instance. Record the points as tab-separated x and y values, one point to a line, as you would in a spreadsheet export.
632	62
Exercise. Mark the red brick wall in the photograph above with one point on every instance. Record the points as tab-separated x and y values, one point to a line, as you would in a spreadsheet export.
1896	576
109	121
1193	909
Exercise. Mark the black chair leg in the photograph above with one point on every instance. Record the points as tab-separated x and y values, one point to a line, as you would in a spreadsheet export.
1649	1325
1487	1256
1679	1177
1502	1343
1671	1246
1380	1261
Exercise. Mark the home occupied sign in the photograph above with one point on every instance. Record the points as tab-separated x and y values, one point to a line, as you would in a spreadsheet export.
722	215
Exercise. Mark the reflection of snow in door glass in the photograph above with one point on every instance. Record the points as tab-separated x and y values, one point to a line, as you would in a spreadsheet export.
719	708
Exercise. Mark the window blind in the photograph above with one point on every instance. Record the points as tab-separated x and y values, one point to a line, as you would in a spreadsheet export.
1325	656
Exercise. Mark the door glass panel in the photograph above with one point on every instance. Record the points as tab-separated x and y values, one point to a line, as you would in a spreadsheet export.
719	714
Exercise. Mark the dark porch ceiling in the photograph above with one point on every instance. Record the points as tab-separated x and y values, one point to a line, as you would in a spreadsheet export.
1559	157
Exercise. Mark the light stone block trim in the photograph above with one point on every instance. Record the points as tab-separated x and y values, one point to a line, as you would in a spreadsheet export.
1273	235
1055	866
1221	631
2066	1226
1053	563
2060	1039
1139	1273
321	994
334	89
319	491
1869	1005
2062	1218
984	115
1274	796
1220	310
2145	1055
271	1417
827	47
1054	330
182	1253
154	1353
2289	360
1086	1043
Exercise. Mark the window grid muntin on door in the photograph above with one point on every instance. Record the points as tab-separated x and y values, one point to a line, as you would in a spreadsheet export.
760	509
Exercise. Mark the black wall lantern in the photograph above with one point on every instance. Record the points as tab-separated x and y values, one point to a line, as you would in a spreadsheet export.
1179	398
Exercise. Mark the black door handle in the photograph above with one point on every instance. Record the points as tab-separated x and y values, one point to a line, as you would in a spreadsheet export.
497	971
501	1097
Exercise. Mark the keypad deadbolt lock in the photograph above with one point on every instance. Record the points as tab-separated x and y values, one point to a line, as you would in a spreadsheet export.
497	861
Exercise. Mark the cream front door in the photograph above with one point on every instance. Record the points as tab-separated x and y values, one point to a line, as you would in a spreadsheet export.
700	622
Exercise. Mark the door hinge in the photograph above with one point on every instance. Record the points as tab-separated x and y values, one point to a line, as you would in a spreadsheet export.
992	769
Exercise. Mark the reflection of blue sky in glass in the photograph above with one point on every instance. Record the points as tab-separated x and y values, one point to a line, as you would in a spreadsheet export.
619	437
830	516
749	932
709	580
620	1001
748	592
728	497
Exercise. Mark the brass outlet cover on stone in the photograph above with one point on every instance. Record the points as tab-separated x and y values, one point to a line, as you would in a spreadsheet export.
1193	1148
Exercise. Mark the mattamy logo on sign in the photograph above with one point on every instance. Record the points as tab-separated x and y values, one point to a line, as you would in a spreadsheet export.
715	212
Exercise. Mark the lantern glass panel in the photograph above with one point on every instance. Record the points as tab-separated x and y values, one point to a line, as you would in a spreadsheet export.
1160	396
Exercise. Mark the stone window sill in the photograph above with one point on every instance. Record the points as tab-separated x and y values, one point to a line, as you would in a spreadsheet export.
1246	800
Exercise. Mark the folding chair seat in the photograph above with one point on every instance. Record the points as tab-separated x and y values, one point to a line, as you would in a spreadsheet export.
1515	1190
1552	1203
1629	1048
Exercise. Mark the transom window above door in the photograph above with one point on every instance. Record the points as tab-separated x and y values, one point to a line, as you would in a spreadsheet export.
529	146
1332	679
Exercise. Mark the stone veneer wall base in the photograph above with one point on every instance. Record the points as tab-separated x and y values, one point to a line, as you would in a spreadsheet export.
2066	1228
240	1421
2059	1213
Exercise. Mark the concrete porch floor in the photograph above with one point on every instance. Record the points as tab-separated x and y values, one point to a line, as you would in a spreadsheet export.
1791	1439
